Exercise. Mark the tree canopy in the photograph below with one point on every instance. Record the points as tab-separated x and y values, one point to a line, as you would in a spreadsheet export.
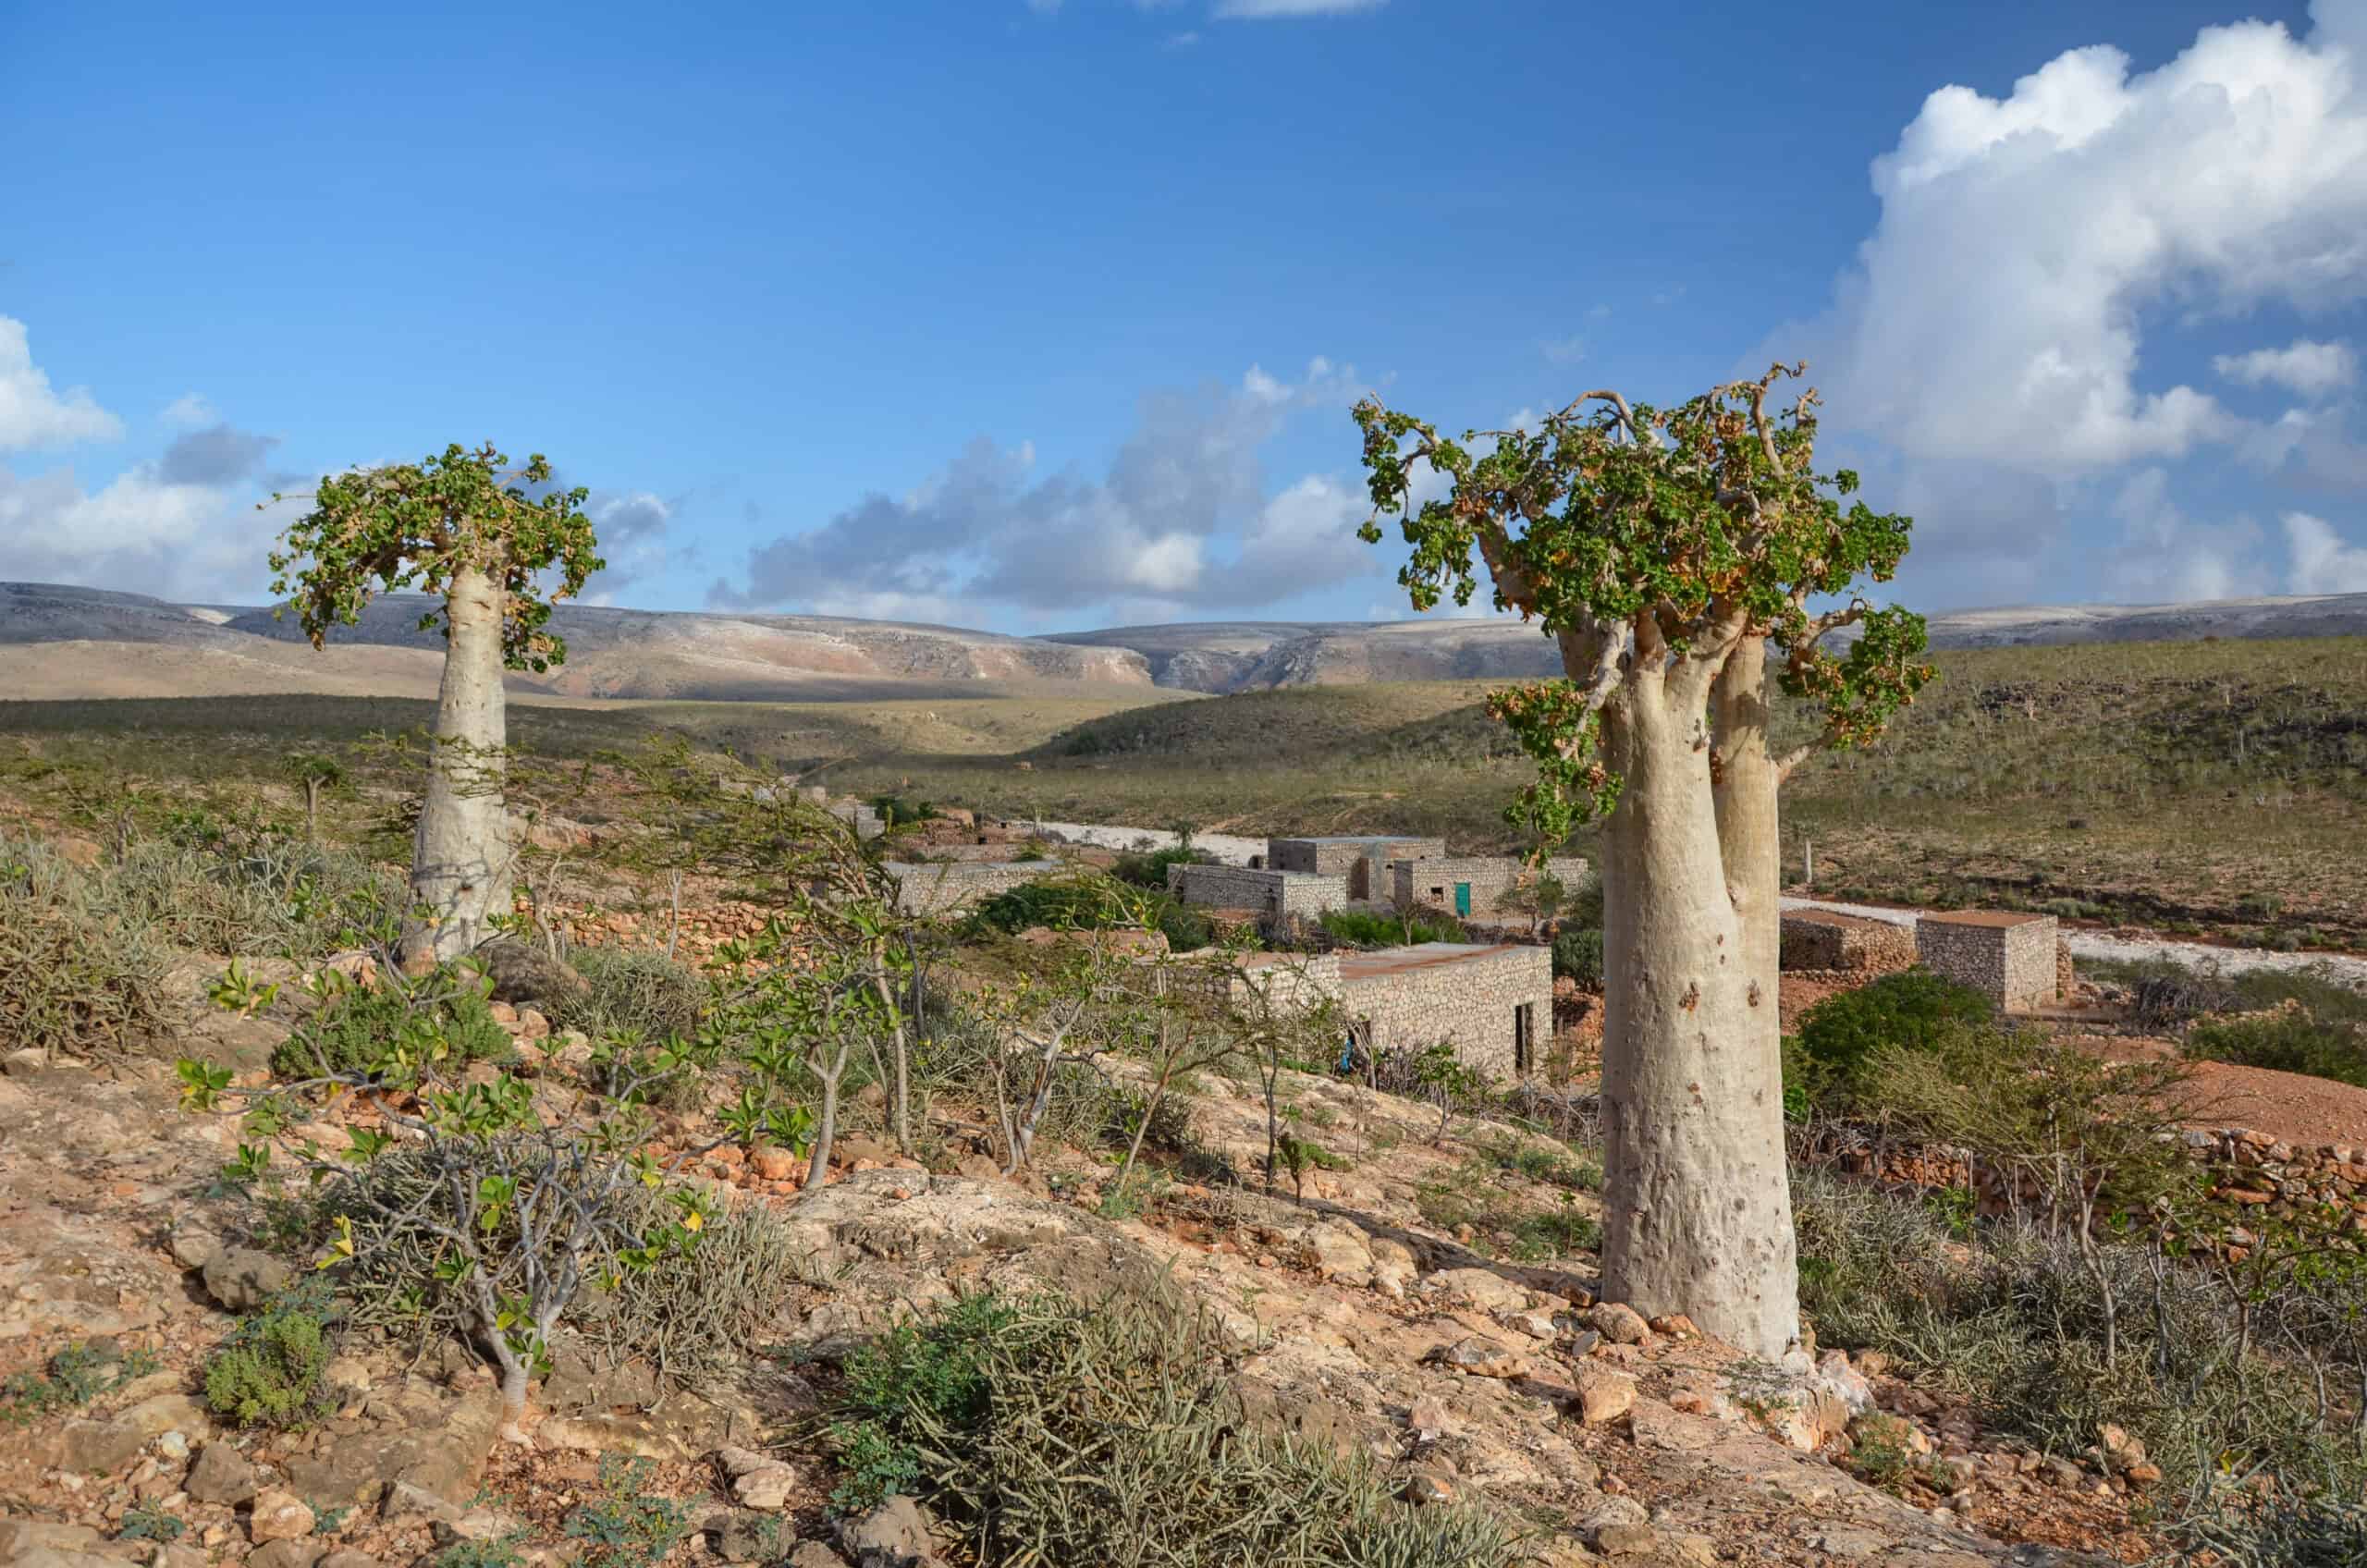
423	525
1642	536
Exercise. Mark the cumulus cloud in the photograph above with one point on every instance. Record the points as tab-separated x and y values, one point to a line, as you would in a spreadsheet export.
2304	368
2323	563
1992	335
1180	520
32	414
2164	556
189	411
147	530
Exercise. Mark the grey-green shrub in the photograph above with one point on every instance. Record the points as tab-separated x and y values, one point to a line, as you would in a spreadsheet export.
630	989
76	978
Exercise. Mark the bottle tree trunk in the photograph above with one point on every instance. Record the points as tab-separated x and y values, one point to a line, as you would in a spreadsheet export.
460	872
1697	1209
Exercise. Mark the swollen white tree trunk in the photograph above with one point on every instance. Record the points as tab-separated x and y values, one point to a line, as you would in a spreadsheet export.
1697	1208
460	869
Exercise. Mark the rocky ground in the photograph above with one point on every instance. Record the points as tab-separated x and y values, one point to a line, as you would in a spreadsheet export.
1406	1306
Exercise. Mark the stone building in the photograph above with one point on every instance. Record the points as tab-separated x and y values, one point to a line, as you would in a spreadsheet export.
1276	895
2007	955
1823	939
1473	886
943	888
1362	860
1494	1003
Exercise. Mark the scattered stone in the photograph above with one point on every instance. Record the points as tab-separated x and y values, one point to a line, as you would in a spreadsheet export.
768	1486
348	1558
751	1538
1394	1269
1339	1252
287	1555
1480	1358
194	1240
1482	1287
1604	1395
279	1516
1626	1540
774	1164
1619	1323
894	1535
221	1474
1676	1326
241	1278
479	1524
813	1554
1429	1419
406	1505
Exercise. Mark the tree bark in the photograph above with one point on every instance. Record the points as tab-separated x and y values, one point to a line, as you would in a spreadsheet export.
1696	1207
461	871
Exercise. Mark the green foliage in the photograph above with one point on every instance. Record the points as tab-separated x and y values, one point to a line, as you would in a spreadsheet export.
143	1523
1881	1453
1148	868
356	1026
1577	955
1841	1037
1084	903
1363	928
73	1377
502	1552
2289	1039
2281	1530
625	1527
1622	528
898	811
1049	1432
1537	1161
265	895
268	1372
630	989
422	524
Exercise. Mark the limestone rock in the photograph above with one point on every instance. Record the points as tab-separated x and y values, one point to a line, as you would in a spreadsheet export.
751	1538
291	1554
1619	1323
768	1486
348	1558
405	1505
1339	1252
1480	1358
1482	1287
1394	1269
279	1516
194	1240
1604	1395
221	1474
242	1278
894	1535
813	1554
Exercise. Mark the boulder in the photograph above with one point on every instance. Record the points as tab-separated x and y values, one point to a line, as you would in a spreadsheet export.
1604	1395
521	973
302	1553
1619	1323
894	1535
221	1474
279	1516
1480	1358
241	1278
1482	1287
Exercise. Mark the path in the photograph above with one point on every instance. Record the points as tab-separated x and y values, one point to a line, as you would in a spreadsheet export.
2190	955
1229	848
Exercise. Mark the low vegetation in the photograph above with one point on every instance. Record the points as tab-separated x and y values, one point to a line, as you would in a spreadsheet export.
269	1372
1362	928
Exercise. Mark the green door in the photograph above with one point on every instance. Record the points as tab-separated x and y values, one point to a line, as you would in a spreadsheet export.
1463	898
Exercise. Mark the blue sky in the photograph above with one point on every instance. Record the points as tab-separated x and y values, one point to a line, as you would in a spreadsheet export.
1037	316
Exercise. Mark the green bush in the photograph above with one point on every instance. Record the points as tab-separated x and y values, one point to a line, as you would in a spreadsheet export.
268	1372
1577	955
1363	928
352	1028
629	989
274	896
73	1377
2289	1039
1067	1436
1087	904
1149	869
898	810
1840	1037
76	977
625	1525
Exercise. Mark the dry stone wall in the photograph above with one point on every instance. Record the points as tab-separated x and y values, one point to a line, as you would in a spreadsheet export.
1822	940
1432	882
1477	997
1363	861
2011	957
943	888
1280	894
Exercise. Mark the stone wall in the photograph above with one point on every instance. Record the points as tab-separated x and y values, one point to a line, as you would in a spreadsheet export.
2009	957
1432	882
1409	997
1823	940
1280	894
1363	861
938	888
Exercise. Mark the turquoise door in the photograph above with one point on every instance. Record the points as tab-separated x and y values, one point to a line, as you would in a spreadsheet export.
1463	898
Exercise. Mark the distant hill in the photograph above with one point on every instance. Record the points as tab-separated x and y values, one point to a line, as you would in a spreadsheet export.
66	642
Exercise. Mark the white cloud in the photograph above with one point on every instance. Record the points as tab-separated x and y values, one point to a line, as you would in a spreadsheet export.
1564	351
2322	562
1178	40
31	414
188	410
1181	521
1266	10
141	533
1997	311
2307	369
2165	557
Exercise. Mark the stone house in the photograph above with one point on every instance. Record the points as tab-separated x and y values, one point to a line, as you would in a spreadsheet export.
2005	954
1494	1003
1825	939
1473	886
1274	895
1362	859
943	888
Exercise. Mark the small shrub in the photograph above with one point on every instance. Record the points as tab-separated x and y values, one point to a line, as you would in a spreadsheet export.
624	1527
964	1408
143	1523
1363	928
74	1377
1841	1037
1577	956
1148	869
898	810
274	896
2288	1040
630	989
1087	904
355	1024
502	1552
74	978
268	1372
1881	1453
2281	1530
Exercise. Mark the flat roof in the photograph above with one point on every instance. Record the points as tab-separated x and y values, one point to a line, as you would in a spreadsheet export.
1354	838
1983	917
1422	955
